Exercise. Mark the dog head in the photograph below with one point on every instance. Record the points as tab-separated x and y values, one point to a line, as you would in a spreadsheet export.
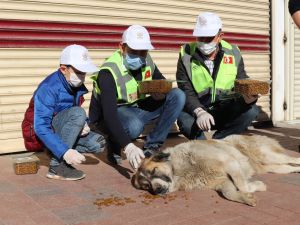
155	174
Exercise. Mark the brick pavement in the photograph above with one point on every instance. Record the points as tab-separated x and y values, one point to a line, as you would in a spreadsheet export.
36	200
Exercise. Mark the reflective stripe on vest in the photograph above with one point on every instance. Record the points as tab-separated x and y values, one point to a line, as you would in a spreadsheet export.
127	86
201	78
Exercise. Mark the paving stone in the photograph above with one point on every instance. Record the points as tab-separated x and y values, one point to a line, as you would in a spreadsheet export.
6	187
39	191
77	214
291	179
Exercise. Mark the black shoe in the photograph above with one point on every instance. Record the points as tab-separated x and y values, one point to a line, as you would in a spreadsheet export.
114	158
150	151
64	171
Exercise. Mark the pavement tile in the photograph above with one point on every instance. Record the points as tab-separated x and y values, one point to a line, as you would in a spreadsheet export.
59	201
46	217
77	214
7	187
239	220
18	202
10	216
292	220
41	191
293	179
101	222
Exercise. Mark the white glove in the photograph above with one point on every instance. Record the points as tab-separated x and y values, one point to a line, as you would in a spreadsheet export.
134	155
250	98
73	157
204	119
85	130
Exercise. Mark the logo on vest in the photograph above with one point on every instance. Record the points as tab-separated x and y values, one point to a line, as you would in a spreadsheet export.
133	97
147	74
228	60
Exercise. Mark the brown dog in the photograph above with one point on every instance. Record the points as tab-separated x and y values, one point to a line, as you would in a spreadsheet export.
222	165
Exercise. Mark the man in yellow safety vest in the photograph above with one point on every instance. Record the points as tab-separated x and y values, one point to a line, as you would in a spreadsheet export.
207	69
119	111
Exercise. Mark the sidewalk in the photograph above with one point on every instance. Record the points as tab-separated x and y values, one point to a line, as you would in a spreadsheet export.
107	197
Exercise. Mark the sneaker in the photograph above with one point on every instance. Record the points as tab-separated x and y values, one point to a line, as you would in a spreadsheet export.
150	151
114	158
64	171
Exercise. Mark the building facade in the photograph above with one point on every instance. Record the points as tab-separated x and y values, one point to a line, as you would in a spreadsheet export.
33	33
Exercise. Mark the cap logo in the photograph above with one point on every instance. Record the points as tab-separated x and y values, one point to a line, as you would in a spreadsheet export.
139	35
202	21
85	56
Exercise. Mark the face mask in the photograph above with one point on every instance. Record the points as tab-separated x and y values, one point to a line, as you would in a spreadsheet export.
207	48
134	62
75	81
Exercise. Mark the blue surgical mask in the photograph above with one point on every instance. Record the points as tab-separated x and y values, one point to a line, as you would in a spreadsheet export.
134	62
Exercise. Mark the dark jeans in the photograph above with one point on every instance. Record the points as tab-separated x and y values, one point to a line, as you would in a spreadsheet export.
231	117
134	120
68	124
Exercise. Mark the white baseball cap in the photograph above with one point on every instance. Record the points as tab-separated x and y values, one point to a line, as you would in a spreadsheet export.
137	38
78	57
207	25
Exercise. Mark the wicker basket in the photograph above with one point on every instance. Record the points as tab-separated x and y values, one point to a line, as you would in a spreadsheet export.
251	87
155	86
26	165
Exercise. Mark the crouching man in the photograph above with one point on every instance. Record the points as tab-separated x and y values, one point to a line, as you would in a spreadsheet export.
55	119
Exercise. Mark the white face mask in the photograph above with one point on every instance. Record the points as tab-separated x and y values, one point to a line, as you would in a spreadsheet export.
75	81
207	48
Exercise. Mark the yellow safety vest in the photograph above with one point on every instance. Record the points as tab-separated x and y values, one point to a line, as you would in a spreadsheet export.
202	80
127	86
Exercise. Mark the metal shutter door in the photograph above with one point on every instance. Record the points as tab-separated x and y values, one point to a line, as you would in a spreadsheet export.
296	80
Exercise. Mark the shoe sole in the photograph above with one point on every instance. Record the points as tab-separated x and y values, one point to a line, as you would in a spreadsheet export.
56	177
114	160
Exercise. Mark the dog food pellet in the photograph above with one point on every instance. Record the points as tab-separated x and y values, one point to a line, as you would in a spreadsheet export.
146	199
116	201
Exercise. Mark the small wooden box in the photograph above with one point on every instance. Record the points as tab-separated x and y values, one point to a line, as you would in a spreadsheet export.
251	87
155	86
26	165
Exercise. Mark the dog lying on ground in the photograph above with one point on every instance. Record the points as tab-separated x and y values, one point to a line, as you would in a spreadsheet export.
223	165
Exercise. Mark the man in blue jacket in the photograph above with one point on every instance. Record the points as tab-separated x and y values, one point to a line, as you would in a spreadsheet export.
59	120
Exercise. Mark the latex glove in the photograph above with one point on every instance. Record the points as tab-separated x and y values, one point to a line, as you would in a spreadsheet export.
85	130
250	98
158	96
73	157
134	155
204	119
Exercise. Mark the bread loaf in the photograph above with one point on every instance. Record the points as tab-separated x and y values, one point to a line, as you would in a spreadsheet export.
155	86
251	87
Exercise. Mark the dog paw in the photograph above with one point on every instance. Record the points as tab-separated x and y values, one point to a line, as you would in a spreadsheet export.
260	186
257	186
250	199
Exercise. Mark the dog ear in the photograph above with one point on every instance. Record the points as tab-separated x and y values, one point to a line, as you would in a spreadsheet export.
161	157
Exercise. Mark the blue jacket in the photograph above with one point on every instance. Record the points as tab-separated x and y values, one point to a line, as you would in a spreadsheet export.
53	95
